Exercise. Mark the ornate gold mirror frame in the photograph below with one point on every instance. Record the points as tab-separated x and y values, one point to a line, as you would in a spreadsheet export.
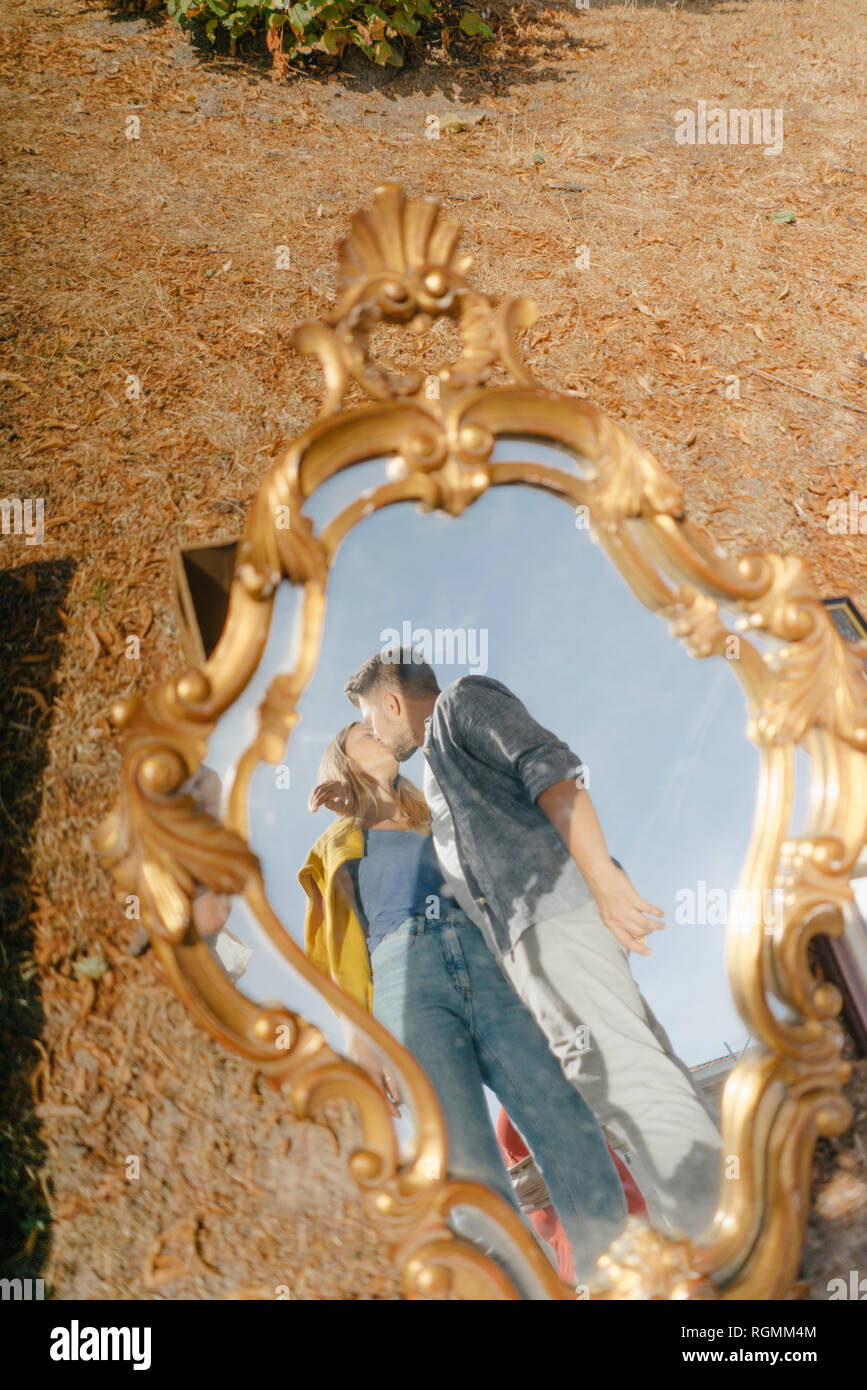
400	266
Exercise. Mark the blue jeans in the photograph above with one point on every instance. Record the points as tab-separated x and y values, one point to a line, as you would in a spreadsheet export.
439	989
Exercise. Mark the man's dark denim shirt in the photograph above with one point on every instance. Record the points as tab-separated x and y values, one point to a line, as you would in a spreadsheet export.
492	760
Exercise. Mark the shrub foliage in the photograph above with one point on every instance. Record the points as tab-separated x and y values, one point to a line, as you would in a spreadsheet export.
298	29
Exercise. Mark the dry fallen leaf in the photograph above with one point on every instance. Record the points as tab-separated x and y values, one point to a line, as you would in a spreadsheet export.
844	1194
36	695
16	377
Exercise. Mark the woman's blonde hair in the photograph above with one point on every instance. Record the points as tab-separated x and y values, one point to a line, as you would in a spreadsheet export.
360	789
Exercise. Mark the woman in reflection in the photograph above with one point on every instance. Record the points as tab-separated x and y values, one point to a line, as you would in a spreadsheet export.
380	922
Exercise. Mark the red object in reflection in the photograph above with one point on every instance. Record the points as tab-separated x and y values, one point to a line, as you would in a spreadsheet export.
545	1221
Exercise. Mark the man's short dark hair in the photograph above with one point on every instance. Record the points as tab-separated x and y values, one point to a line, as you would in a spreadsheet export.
399	668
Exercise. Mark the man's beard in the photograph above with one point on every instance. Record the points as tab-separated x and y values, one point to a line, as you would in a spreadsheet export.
402	748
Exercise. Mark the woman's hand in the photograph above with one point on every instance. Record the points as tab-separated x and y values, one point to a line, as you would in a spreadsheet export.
392	1092
328	794
360	1051
211	912
627	915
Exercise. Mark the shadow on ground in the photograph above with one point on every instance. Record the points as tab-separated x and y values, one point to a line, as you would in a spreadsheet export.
30	633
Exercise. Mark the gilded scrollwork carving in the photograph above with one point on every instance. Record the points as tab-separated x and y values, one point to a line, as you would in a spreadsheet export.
643	1264
400	265
817	680
159	842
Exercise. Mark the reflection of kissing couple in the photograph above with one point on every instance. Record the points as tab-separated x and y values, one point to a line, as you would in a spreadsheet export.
493	944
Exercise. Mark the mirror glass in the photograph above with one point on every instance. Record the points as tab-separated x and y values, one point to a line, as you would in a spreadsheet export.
588	1078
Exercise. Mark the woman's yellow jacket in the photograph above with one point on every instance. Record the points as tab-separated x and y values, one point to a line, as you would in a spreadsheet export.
333	936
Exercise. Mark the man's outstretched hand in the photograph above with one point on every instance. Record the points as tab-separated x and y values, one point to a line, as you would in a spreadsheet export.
627	915
328	794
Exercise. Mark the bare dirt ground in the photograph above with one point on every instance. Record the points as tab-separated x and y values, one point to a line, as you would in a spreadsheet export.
155	257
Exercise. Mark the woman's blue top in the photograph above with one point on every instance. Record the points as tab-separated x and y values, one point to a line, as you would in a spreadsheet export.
398	877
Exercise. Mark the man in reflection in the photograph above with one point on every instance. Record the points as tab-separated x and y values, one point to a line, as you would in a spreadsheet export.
523	853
